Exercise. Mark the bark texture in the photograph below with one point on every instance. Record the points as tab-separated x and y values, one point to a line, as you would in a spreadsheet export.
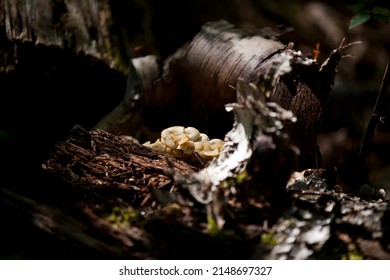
83	26
98	158
126	194
200	78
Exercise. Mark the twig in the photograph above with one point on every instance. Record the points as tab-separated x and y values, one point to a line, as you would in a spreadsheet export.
376	116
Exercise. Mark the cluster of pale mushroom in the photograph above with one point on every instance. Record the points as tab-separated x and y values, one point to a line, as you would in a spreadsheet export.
181	141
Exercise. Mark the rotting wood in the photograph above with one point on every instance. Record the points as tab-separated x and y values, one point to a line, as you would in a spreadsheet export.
220	54
98	158
94	238
93	162
258	125
200	78
168	227
83	26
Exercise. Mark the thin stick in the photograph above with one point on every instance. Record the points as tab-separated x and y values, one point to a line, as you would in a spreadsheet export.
376	116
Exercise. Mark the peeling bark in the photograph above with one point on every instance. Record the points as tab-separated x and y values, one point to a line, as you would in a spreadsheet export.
200	78
82	26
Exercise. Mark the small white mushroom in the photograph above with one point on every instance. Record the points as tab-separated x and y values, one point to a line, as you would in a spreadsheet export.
179	141
147	144
211	153
206	151
207	146
204	137
172	130
170	142
192	133
158	146
180	138
217	143
199	146
188	147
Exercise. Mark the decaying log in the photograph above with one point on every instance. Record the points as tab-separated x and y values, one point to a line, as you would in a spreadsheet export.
315	220
97	163
100	159
118	173
56	69
101	172
211	64
83	26
258	126
200	78
62	235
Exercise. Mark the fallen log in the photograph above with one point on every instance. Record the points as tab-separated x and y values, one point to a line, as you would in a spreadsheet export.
100	159
118	199
324	216
200	78
244	214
